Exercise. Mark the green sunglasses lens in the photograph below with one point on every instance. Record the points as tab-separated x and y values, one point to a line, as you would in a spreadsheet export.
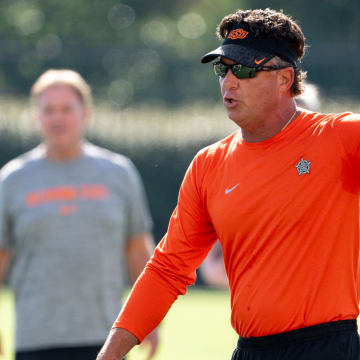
243	72
220	69
240	71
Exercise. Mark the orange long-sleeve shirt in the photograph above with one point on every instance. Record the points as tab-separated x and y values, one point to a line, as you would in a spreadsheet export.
286	211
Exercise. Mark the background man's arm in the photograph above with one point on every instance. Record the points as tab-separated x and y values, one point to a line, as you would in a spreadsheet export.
120	341
4	262
139	250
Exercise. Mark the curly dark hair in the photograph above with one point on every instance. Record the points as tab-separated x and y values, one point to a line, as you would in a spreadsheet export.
273	24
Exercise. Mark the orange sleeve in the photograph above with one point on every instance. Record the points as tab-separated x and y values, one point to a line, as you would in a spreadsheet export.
348	129
172	268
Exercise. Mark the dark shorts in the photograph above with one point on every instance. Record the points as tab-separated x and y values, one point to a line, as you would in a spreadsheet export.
61	353
331	341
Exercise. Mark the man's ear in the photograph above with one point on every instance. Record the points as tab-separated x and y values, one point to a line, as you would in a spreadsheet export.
88	112
87	116
286	78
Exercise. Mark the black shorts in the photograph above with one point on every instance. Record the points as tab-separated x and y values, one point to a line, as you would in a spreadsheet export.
61	353
331	341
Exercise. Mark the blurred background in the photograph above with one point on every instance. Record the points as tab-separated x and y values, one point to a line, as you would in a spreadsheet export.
137	51
154	101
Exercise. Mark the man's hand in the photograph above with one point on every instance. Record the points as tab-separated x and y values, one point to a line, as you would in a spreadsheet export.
117	345
152	340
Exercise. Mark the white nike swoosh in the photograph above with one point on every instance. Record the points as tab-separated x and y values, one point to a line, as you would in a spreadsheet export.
227	191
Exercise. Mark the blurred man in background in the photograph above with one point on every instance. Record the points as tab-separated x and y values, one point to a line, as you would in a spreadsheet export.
71	216
282	196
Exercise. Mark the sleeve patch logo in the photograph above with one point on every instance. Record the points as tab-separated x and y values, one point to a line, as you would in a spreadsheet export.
303	167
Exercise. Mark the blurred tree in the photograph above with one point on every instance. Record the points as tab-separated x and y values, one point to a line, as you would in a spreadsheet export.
135	51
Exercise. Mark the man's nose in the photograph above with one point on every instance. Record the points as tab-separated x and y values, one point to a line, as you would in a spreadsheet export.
229	81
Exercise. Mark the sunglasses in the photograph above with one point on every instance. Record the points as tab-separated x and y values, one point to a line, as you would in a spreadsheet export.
241	71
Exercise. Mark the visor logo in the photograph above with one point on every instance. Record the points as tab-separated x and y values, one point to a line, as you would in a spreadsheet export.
238	34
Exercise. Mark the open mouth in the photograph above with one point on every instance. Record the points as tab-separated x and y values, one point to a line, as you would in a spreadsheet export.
229	100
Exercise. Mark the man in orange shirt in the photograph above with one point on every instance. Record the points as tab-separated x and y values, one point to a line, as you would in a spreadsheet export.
212	269
282	196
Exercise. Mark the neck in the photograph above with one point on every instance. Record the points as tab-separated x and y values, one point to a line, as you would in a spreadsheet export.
270	125
63	154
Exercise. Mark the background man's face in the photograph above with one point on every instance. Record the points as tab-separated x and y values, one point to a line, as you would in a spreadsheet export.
62	117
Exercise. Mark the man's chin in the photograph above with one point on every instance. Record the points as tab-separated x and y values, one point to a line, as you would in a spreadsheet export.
235	117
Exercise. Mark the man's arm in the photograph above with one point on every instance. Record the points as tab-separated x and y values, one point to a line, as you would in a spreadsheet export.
172	268
138	252
117	345
120	341
4	262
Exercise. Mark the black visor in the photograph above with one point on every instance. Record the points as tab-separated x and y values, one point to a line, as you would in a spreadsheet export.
242	46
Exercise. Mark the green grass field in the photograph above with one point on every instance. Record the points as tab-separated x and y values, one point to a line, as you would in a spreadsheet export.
197	324
6	325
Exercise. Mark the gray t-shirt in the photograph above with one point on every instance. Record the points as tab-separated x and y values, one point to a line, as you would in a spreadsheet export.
66	224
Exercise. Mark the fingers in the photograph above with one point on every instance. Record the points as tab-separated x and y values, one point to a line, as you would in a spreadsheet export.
153	348
153	340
